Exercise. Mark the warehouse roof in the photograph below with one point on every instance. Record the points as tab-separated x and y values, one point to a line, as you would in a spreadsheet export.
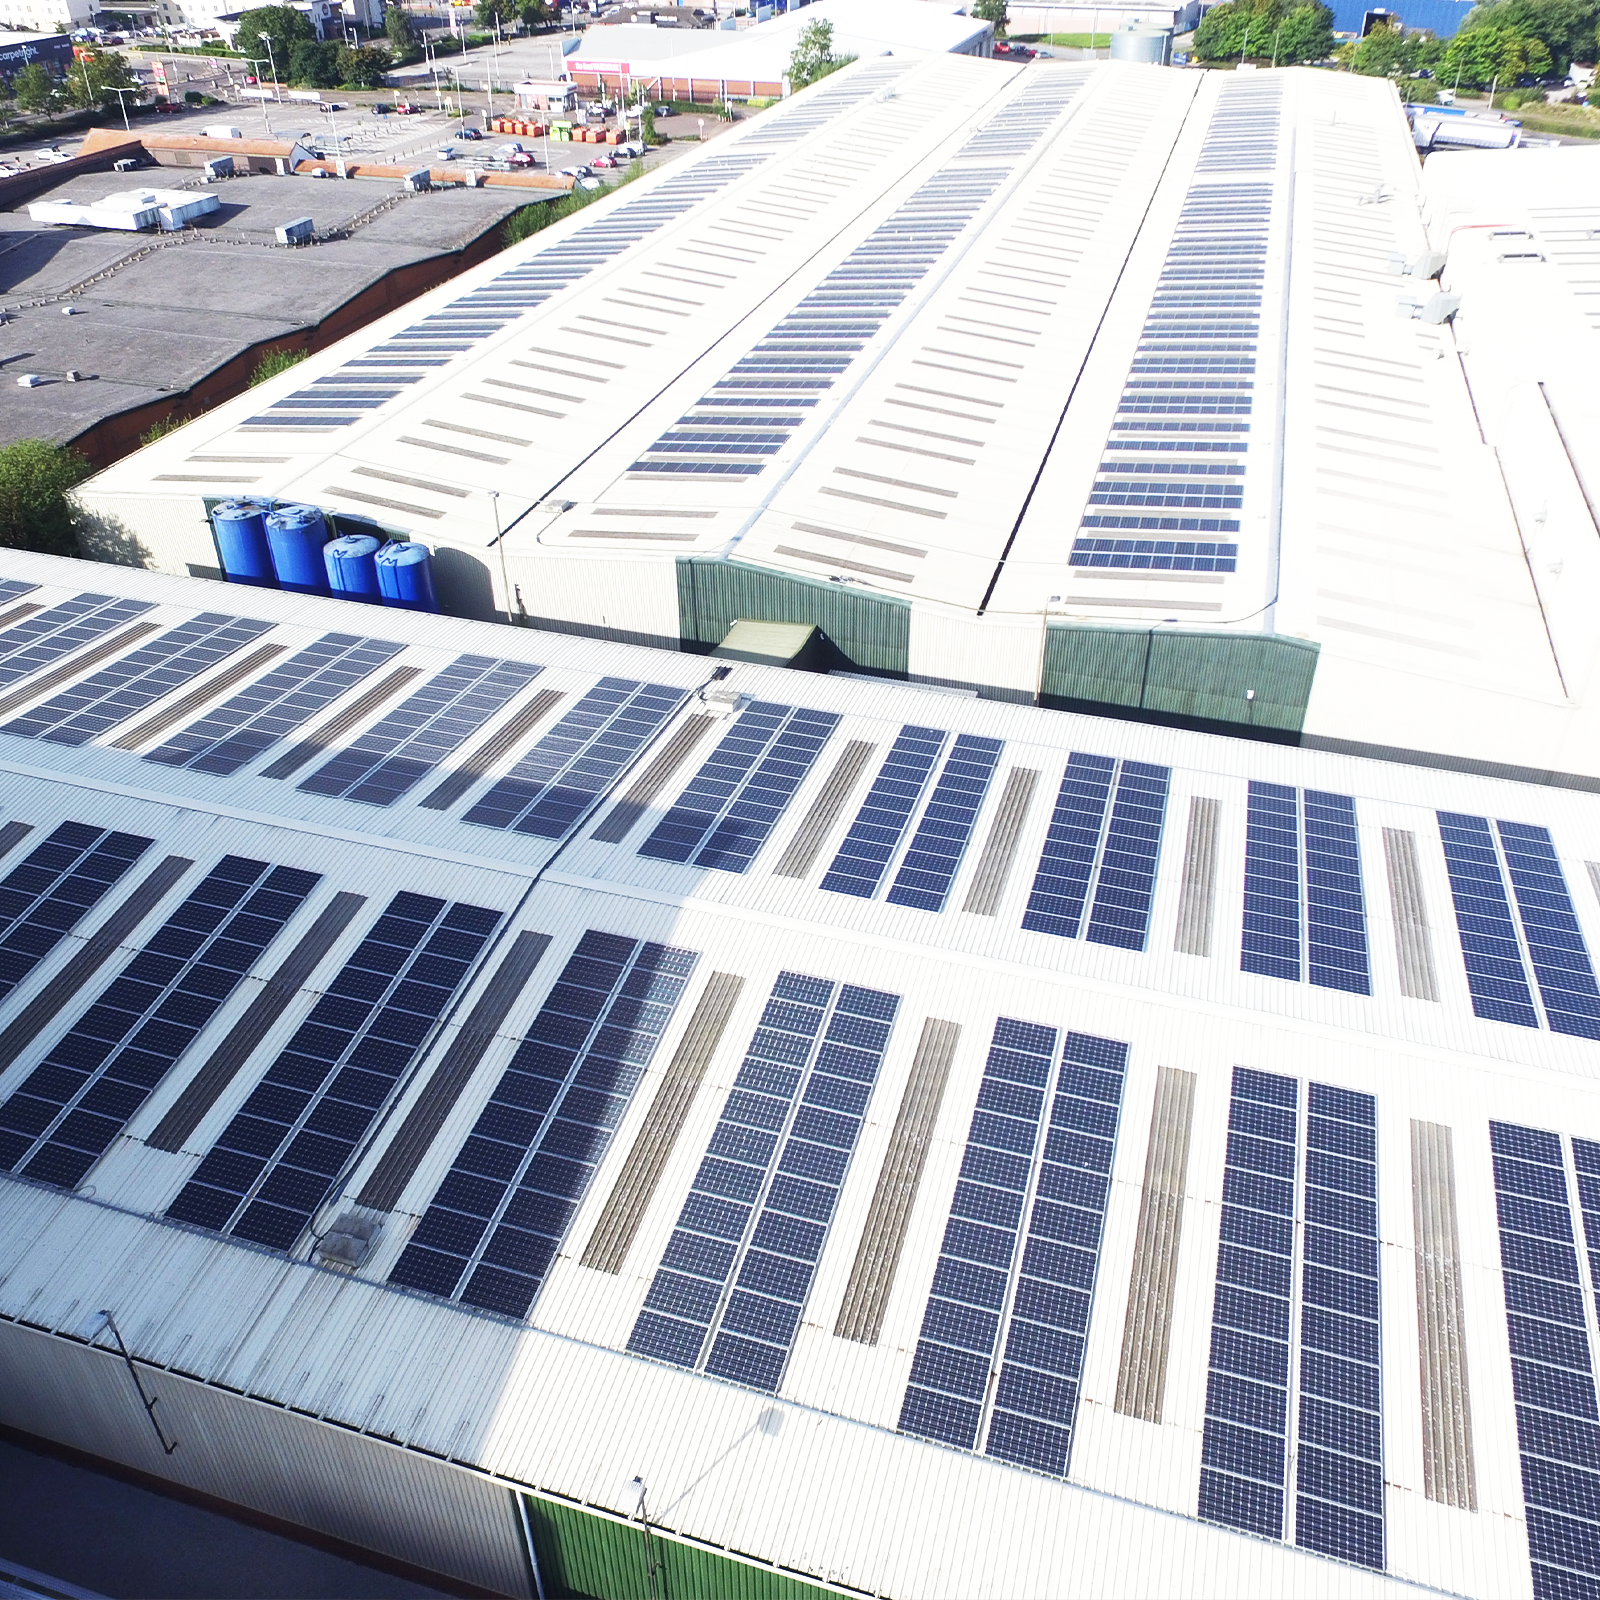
578	1061
154	317
1001	352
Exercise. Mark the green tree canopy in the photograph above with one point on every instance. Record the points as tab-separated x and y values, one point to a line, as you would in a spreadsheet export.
813	56
1566	28
94	76
1484	55
992	11
283	25
315	64
533	13
1389	52
363	67
34	88
35	514
1264	30
397	29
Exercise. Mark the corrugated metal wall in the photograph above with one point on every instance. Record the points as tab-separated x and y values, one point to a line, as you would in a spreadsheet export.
584	1557
1259	680
283	1463
871	631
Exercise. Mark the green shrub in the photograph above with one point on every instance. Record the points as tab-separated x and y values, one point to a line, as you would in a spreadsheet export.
274	362
35	513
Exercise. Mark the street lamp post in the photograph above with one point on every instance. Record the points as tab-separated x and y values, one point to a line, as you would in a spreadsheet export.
255	61
338	145
266	39
122	100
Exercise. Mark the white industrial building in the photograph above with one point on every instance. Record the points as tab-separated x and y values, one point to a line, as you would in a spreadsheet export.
753	62
923	1146
1091	385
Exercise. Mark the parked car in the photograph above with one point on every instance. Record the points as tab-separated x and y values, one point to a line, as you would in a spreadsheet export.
590	182
633	150
606	161
380	111
446	152
510	149
520	158
468	133
577	172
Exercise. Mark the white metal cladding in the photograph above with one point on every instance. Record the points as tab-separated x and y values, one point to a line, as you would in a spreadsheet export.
554	1402
283	1463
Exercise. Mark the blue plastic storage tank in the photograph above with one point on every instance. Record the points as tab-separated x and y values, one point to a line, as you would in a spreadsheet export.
405	575
296	535
242	543
352	573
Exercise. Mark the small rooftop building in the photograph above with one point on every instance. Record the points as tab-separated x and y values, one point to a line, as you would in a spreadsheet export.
560	1113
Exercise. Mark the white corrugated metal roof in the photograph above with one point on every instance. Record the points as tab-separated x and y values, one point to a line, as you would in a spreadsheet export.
978	445
829	1484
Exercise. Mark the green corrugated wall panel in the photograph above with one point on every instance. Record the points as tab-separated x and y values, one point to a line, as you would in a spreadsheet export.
585	1557
1183	673
872	631
1101	665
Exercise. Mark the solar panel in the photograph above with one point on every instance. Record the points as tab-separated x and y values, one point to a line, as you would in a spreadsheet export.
881	823
79	1098
1021	1249
277	703
1561	962
1245	1445
733	1282
1339	1480
502	1212
1118	861
49	635
277	1160
730	807
115	693
1497	979
945	829
1125	883
548	791
938	213
1327	941
1552	1370
397	752
46	895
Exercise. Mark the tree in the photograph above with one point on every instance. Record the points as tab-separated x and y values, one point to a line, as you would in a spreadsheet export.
1486	55
813	57
1389	52
992	11
1306	35
397	29
1566	28
95	75
533	13
35	513
1266	30
1236	29
363	67
35	89
488	12
315	65
282	25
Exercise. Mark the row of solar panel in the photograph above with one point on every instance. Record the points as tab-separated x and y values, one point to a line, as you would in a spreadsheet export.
752	1229
545	793
815	344
361	386
1203	322
1304	911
